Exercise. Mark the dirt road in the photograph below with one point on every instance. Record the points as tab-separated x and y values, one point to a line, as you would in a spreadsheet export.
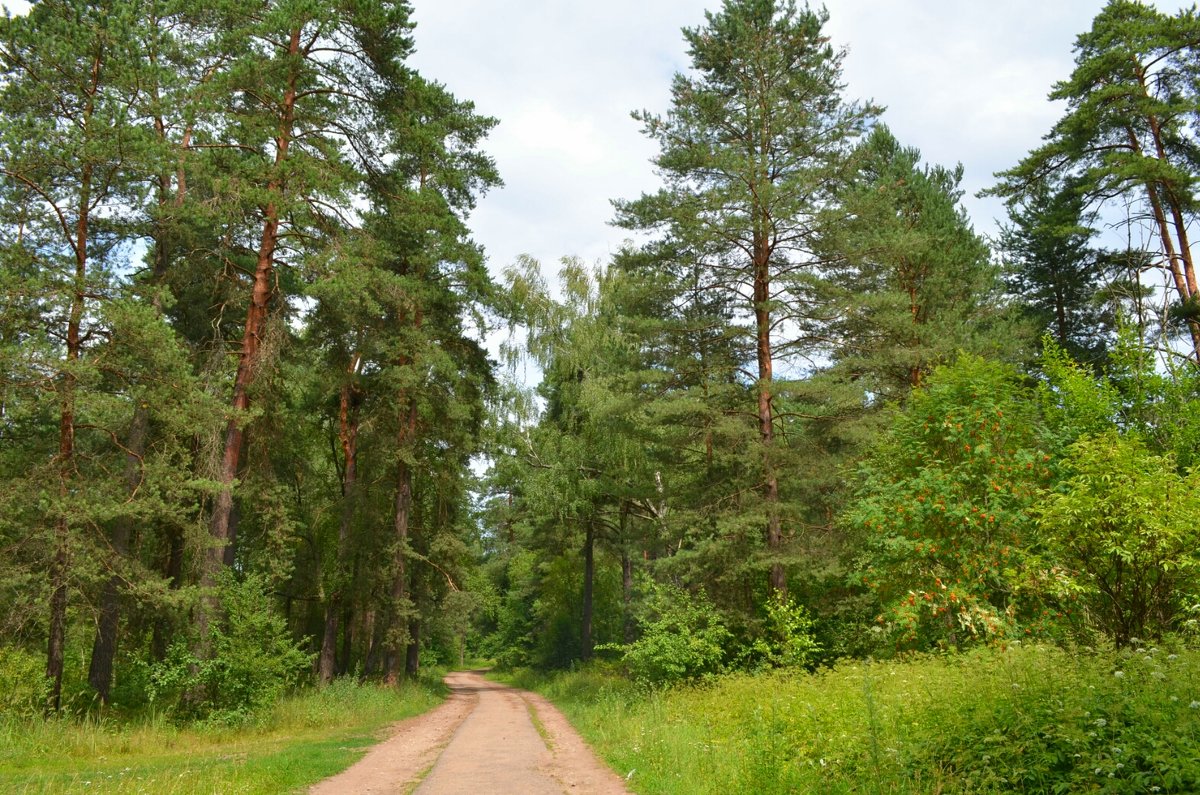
484	740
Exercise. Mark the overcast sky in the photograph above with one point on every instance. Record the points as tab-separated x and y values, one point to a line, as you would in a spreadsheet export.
963	80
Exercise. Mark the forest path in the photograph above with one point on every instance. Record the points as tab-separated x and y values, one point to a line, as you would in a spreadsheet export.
483	739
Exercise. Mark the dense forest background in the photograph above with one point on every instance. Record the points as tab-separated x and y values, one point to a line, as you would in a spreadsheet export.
251	432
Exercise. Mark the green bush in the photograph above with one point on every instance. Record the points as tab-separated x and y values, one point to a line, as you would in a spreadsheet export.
788	641
1125	521
24	687
942	511
683	638
251	662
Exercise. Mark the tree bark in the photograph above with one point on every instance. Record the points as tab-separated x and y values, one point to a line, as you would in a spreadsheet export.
777	578
412	659
104	648
256	316
1179	263
61	563
589	575
398	630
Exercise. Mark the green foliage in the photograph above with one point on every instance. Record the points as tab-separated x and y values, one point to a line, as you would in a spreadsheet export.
1134	396
943	510
24	687
683	638
1125	520
252	662
1055	276
1029	719
788	641
907	282
1128	132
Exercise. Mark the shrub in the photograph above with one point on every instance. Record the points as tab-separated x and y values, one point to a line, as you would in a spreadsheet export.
787	639
252	661
943	511
1125	520
682	638
24	687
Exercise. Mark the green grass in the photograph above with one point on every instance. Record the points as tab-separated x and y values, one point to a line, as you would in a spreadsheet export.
1026	720
303	740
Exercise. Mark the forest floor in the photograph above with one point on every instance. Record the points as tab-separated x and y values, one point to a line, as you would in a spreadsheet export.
486	737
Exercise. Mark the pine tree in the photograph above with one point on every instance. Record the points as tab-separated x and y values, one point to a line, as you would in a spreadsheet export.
756	136
1130	132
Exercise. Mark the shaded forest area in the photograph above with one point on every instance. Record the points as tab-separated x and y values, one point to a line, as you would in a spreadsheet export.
807	414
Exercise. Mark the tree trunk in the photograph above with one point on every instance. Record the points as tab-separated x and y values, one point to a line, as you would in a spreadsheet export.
398	630
1179	263
777	579
104	648
589	572
348	436
61	564
256	317
412	659
627	595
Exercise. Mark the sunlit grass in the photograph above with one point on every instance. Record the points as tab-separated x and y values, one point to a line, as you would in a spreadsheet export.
304	739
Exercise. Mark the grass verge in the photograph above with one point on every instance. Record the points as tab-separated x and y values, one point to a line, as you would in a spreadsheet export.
303	740
1028	719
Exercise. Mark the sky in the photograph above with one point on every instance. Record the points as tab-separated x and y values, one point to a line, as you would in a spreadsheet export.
965	81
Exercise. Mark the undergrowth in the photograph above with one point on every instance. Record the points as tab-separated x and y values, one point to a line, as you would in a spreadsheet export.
1034	719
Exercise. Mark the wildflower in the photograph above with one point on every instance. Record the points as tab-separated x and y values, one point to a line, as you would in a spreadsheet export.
1101	722
1119	674
1194	705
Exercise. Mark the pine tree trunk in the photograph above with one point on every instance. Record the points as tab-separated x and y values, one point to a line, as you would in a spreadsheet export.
256	316
777	578
1179	264
398	630
61	563
626	578
412	660
104	648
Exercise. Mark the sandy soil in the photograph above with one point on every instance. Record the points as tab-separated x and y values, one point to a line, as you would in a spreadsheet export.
481	741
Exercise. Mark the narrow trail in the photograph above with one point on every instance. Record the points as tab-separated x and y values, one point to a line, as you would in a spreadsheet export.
482	741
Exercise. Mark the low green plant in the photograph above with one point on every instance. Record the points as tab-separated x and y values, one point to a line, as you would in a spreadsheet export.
252	661
24	687
942	511
787	640
1125	520
683	638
